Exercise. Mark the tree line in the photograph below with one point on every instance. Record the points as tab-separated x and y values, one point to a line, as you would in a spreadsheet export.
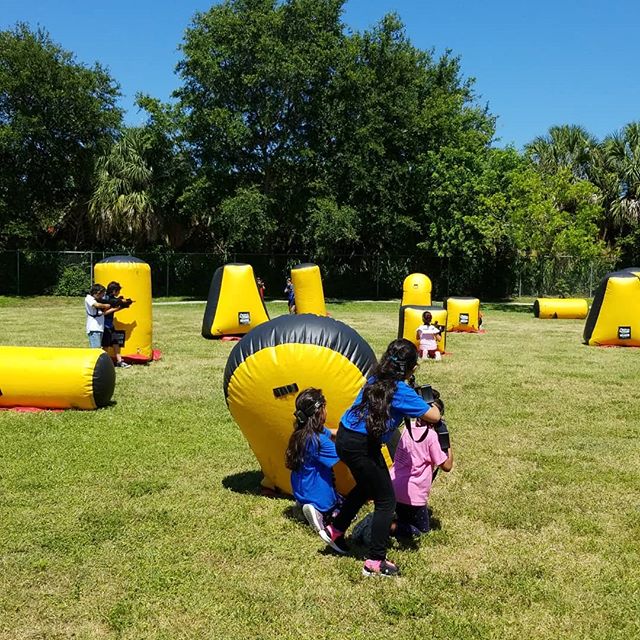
290	133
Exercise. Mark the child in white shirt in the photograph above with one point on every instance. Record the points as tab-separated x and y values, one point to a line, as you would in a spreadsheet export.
428	335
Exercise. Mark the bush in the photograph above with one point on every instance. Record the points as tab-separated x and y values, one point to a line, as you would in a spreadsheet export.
74	280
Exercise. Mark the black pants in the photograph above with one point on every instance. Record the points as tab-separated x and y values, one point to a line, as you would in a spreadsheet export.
412	520
366	463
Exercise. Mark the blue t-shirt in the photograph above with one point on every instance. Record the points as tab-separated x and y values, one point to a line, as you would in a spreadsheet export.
313	482
405	402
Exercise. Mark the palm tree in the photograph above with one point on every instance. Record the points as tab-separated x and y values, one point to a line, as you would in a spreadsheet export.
621	155
121	205
569	146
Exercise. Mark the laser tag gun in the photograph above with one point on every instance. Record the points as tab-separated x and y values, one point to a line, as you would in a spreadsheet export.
117	302
431	396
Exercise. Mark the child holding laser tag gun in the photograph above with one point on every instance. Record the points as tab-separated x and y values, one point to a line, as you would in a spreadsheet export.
422	450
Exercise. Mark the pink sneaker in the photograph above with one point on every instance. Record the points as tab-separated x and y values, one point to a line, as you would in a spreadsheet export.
384	568
334	538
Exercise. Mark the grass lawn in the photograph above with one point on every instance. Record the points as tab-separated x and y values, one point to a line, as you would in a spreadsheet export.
144	520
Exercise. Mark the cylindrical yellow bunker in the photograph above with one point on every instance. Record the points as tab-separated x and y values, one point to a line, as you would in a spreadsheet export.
307	289
135	323
565	308
416	290
55	378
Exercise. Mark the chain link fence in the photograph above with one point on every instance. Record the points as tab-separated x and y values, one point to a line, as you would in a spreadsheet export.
26	273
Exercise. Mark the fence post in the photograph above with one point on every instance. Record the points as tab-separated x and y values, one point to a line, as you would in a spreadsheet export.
168	264
91	267
18	271
591	279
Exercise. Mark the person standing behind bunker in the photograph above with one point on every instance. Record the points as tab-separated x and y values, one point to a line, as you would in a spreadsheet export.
109	338
378	409
291	301
95	311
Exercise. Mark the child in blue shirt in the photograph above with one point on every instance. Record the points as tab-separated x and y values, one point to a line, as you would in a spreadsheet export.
311	455
384	401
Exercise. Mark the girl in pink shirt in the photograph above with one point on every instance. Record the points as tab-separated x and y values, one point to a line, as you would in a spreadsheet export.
417	457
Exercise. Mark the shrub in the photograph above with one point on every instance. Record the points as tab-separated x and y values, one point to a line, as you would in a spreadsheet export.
74	280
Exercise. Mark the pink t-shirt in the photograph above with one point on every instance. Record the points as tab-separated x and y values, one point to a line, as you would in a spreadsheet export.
427	335
413	466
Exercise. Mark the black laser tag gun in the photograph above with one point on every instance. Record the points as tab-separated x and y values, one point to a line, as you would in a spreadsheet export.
432	396
118	302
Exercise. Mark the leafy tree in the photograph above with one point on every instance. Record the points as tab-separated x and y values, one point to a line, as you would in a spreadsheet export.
55	117
254	75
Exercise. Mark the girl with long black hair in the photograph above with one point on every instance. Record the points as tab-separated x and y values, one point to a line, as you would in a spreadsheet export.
384	401
311	455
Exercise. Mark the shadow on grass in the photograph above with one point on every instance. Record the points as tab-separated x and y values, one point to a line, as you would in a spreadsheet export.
250	482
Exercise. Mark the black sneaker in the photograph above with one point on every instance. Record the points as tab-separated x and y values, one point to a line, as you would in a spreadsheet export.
383	568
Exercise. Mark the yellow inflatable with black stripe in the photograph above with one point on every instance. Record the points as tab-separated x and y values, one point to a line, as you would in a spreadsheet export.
561	308
411	318
134	324
308	291
272	364
234	305
416	290
55	378
614	317
463	314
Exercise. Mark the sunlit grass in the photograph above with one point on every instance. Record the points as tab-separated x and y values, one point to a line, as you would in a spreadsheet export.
143	520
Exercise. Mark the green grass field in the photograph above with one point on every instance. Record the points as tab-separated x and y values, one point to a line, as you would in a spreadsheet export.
144	520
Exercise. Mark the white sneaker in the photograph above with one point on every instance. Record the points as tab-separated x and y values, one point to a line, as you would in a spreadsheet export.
122	364
313	517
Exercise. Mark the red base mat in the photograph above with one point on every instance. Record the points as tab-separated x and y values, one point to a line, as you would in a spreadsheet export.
135	358
30	409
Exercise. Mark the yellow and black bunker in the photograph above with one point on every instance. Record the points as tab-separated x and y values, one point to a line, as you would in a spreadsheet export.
614	317
55	378
234	305
411	318
133	325
463	314
274	362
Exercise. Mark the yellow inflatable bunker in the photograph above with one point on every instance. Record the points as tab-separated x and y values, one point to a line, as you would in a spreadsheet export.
416	290
55	378
134	325
564	308
463	314
411	318
614	318
307	287
234	305
274	362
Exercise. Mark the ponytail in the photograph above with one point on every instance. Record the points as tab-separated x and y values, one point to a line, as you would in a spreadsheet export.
396	364
308	425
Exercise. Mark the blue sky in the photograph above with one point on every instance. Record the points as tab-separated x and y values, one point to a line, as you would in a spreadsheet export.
536	64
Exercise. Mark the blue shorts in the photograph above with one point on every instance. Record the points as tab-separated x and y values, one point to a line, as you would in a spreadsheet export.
95	339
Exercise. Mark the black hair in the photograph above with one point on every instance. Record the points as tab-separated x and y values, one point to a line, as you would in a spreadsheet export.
113	286
308	424
397	363
427	317
95	288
